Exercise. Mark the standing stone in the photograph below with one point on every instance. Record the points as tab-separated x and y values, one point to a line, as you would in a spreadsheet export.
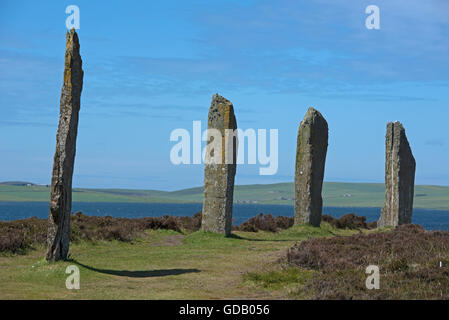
309	170
58	236
219	177
400	168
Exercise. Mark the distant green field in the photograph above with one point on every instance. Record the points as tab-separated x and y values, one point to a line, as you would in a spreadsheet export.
335	194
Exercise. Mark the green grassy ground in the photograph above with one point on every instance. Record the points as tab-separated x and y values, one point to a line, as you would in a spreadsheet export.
163	265
334	194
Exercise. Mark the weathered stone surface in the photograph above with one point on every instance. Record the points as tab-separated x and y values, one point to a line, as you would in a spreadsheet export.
400	168
309	170
61	183
219	177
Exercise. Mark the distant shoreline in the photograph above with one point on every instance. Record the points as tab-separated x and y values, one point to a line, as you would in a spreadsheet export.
245	204
335	194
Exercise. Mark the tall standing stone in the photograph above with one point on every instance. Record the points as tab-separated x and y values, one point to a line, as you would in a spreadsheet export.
400	168
309	170
219	175
58	236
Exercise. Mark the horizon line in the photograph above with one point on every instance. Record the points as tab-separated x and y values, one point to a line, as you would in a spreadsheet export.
195	187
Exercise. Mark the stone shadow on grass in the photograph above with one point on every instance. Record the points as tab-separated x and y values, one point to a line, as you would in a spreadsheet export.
138	273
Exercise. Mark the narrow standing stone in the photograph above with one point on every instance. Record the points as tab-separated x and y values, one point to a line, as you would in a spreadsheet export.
58	236
309	170
400	168
219	177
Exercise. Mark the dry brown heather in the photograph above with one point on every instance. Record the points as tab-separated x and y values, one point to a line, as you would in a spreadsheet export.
349	221
408	257
19	235
266	222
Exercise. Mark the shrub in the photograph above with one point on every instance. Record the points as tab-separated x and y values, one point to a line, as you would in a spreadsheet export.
408	258
349	221
265	223
371	225
19	235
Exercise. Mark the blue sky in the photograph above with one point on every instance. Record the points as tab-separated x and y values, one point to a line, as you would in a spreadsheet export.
151	67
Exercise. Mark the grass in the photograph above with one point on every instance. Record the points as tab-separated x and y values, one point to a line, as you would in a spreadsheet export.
162	264
334	195
290	277
302	262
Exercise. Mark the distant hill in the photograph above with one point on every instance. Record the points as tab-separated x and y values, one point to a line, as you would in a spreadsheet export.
18	183
334	194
